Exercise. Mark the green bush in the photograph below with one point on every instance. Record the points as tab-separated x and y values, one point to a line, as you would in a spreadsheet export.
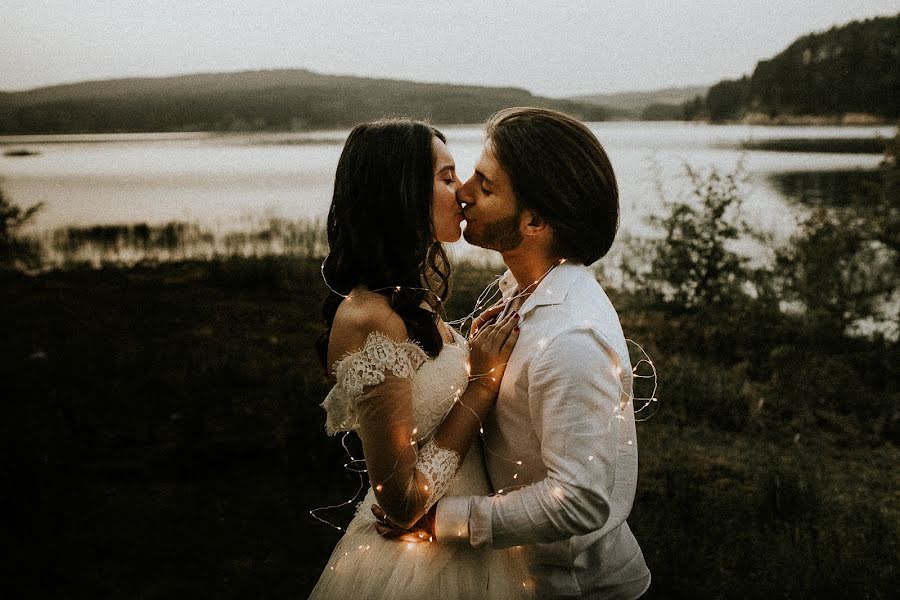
16	251
693	266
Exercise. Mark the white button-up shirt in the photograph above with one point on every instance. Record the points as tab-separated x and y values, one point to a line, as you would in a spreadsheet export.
561	448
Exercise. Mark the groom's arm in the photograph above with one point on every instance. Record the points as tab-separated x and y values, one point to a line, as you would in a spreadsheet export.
574	396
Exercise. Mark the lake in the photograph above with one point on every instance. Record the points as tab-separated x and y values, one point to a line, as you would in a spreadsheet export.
235	181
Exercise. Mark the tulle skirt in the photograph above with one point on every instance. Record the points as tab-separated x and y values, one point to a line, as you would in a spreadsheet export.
366	566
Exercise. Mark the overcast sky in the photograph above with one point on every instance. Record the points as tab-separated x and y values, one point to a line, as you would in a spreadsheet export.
550	48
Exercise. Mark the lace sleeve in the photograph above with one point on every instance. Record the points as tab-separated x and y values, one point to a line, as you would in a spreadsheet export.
362	369
374	396
438	466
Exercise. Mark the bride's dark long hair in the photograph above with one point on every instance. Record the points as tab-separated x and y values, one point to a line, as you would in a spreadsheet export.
380	228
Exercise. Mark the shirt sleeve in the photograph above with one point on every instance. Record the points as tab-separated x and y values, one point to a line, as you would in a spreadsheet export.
577	393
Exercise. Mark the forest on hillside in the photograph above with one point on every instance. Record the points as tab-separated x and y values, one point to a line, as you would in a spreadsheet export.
854	68
256	101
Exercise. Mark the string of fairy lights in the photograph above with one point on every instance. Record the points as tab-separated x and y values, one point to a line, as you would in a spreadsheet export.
643	369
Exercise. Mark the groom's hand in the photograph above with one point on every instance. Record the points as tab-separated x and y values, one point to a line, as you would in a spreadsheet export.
421	531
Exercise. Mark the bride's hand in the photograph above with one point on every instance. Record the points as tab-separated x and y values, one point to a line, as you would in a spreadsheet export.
489	351
421	531
486	317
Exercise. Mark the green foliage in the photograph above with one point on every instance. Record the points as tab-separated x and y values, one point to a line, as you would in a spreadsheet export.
848	69
697	390
163	438
757	519
835	268
694	109
842	263
693	266
662	112
261	100
727	99
853	68
16	252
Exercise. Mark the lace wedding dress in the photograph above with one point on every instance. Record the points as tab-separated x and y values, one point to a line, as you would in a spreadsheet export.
366	566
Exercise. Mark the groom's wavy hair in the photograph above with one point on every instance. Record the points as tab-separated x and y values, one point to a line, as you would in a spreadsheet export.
381	229
559	171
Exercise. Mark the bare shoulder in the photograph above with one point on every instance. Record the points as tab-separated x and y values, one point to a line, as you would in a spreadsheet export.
356	318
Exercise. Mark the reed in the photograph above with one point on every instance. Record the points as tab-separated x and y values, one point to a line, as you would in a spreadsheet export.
130	244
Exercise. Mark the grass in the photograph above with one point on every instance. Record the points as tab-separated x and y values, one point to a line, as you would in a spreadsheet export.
162	438
94	246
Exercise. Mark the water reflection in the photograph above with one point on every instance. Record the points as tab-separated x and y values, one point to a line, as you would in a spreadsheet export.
828	188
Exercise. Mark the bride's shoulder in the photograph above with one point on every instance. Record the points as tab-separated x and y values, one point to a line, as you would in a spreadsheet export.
359	316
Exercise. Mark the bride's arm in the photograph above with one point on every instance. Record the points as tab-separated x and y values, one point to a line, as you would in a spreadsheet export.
409	479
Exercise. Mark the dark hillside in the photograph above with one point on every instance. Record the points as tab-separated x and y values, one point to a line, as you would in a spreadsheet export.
255	100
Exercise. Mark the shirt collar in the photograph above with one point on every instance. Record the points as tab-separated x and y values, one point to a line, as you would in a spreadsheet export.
551	290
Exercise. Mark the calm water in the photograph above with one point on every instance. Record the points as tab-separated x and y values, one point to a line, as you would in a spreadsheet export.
234	181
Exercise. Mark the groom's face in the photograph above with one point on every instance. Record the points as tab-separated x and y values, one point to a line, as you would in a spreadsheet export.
493	216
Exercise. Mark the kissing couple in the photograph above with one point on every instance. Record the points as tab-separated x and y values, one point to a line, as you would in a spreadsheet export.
503	465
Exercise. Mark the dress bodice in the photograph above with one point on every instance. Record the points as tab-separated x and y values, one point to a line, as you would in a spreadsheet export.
436	382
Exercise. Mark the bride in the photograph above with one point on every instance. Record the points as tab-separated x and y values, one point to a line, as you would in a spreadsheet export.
412	388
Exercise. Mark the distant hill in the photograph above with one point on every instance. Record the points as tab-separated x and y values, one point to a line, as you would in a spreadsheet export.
286	99
635	105
854	68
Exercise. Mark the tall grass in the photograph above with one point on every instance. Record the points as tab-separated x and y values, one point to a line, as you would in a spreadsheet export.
127	245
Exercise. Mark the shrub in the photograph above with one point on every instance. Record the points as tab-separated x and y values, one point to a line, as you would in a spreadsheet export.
15	251
693	265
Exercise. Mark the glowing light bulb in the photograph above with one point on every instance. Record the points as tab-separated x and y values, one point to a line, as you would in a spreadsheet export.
379	487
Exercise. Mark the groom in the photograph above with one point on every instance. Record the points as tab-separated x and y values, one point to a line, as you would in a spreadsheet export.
560	444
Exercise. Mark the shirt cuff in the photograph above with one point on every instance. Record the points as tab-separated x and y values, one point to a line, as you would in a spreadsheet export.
451	520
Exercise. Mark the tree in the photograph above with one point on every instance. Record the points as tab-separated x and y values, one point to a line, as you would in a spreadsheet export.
693	267
15	251
843	264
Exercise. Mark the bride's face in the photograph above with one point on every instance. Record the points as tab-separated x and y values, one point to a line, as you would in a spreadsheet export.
446	212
